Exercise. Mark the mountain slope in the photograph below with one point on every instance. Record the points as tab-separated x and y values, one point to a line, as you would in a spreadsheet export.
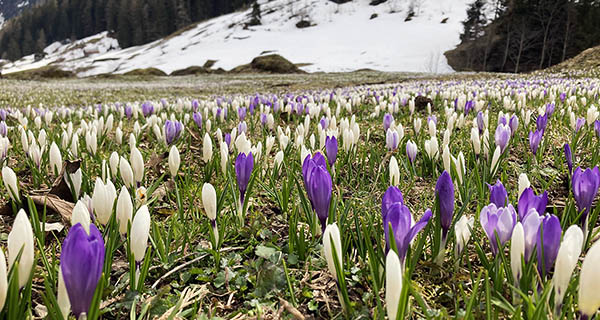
338	37
11	8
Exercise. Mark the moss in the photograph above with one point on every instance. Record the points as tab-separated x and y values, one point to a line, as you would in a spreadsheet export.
47	72
193	70
146	72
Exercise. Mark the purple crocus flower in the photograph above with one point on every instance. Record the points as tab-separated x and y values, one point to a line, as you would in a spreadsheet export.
549	109
563	96
3	114
498	224
513	124
197	116
569	157
227	139
387	121
392	139
128	111
324	123
480	122
243	169
502	136
548	242
529	200
534	140
502	120
172	131
3	128
331	147
585	187
242	113
243	127
531	225
541	122
597	128
81	263
307	165
147	108
579	124
403	228
498	194
444	192
320	186
432	118
195	104
263	119
392	195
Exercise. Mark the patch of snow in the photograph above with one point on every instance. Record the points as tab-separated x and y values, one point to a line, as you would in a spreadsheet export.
342	38
22	4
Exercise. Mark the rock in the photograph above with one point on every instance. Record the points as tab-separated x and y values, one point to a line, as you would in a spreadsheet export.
421	103
272	63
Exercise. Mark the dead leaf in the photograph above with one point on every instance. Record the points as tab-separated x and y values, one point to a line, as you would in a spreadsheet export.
54	203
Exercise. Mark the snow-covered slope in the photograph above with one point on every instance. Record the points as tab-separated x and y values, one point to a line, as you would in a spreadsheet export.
344	37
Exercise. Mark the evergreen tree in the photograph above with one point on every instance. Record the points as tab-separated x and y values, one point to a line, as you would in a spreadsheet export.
475	21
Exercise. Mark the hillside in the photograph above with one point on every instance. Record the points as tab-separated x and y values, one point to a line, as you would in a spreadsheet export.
11	8
319	35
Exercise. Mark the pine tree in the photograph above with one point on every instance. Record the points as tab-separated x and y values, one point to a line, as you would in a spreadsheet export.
475	21
124	30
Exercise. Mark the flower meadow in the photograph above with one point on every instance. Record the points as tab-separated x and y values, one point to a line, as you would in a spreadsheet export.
425	199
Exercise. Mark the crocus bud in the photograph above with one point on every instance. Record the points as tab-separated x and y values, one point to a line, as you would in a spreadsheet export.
124	210
10	182
517	251
393	283
126	173
585	183
224	150
331	148
55	159
432	148
137	165
113	161
207	149
244	165
446	158
498	194
3	279
62	296
566	261
411	151
278	159
100	200
394	172
462	230
209	200
174	161
140	230
444	191
81	262
332	234
589	282
523	184
81	215
475	141
495	159
21	238
548	241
